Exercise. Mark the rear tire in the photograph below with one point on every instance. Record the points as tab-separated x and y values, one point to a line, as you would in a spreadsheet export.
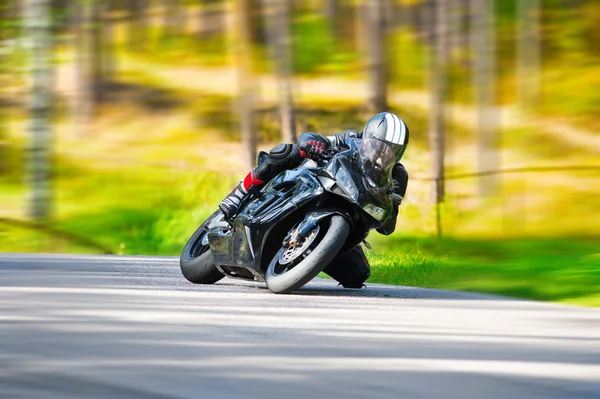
196	260
325	251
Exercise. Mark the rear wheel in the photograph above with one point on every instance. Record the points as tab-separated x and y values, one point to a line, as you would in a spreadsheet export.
196	260
292	267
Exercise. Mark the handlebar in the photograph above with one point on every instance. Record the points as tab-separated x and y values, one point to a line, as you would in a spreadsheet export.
328	154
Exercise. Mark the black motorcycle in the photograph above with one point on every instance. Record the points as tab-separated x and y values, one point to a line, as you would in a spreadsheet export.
290	230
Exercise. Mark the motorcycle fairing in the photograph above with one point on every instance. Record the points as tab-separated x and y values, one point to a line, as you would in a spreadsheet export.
242	245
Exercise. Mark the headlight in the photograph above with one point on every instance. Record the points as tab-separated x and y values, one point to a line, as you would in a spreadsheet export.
375	211
346	183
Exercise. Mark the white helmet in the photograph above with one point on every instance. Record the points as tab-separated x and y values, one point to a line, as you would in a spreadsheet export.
390	129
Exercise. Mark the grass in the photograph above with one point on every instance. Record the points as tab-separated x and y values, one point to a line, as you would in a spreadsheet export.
146	217
547	269
126	216
23	239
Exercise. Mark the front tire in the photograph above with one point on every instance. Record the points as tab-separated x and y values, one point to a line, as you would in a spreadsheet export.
196	259
285	281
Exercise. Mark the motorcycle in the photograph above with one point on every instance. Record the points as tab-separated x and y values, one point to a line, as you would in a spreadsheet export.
290	230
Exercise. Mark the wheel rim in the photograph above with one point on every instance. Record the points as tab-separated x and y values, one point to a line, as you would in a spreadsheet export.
289	257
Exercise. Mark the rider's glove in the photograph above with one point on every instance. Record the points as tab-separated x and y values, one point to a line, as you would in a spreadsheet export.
314	150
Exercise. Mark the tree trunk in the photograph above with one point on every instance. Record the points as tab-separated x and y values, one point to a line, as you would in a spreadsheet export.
331	8
96	54
83	103
15	10
354	27
465	39
9	17
376	67
439	53
278	18
528	53
204	15
258	34
167	18
483	41
334	13
424	23
4	35
174	18
245	81
455	27
109	65
38	28
138	24
211	19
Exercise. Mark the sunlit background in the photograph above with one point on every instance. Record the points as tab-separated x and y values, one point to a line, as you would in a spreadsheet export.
124	123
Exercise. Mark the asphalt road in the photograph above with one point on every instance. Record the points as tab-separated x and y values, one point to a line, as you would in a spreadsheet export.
133	327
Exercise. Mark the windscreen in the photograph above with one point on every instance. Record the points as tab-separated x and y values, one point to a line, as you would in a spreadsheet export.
377	159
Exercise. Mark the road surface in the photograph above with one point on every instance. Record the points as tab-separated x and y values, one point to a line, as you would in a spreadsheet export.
133	327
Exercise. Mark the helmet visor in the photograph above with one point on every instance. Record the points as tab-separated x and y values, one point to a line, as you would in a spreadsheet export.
377	158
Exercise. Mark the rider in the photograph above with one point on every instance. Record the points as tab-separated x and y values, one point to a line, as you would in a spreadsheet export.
352	269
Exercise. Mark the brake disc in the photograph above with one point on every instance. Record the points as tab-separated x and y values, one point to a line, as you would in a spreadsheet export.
291	253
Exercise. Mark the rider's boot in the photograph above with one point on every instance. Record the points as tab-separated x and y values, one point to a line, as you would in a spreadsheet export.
231	204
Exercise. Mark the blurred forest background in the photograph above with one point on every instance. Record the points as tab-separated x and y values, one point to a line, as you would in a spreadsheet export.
123	123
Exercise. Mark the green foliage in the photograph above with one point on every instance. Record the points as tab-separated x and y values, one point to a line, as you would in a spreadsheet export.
314	48
408	60
12	161
414	268
567	92
133	217
20	239
183	49
564	270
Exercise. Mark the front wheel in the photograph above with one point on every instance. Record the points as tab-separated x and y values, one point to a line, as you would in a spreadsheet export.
196	260
290	269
